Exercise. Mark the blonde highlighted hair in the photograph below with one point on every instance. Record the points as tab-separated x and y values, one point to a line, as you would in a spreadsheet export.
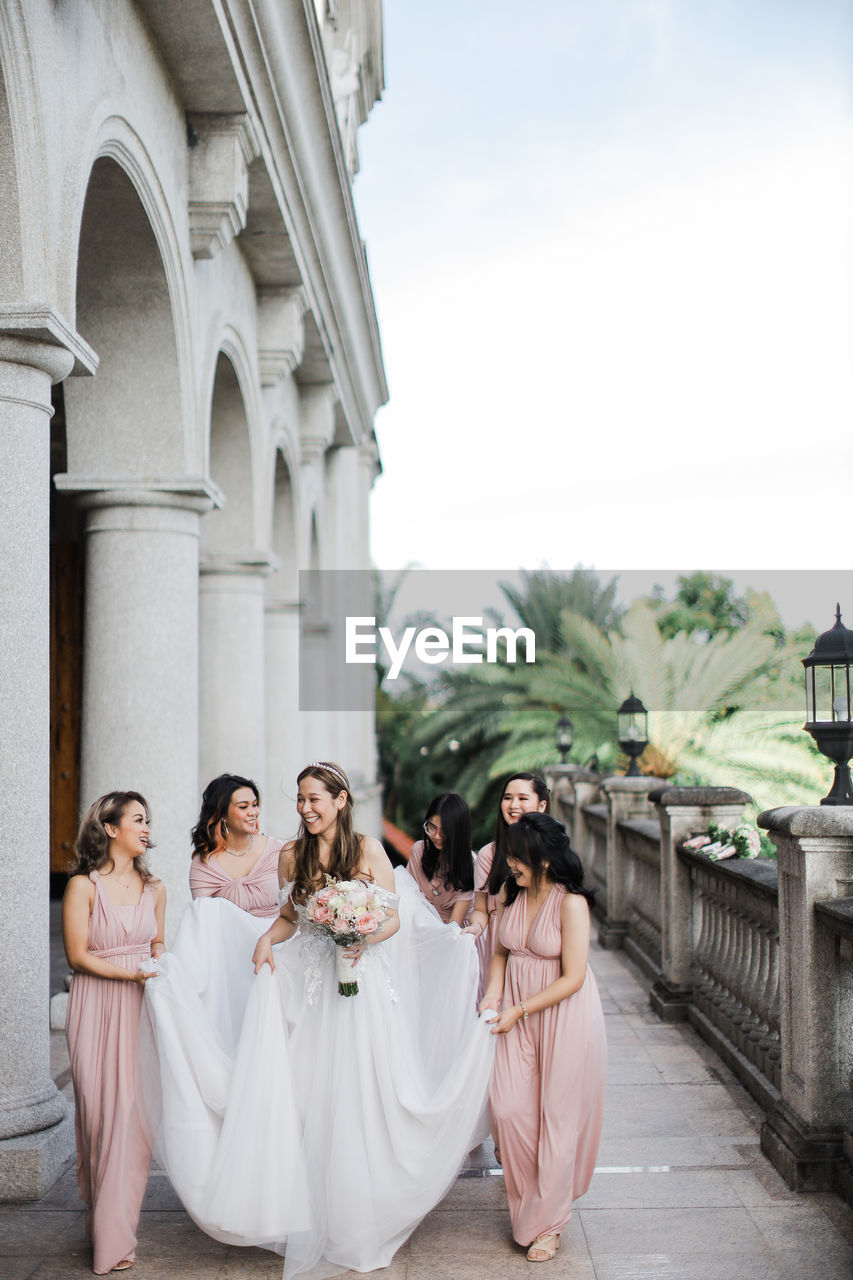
92	847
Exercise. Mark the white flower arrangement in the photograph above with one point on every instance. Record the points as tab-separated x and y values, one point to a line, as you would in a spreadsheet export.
719	843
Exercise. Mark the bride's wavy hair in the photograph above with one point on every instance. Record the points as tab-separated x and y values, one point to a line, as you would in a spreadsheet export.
92	846
346	846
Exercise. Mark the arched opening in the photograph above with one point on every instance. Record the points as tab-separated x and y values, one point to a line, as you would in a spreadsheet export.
122	430
126	422
232	527
232	706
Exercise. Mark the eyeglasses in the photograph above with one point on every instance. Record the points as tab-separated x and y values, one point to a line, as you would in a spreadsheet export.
432	830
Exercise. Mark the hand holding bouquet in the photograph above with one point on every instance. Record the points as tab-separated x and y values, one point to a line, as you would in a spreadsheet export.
350	911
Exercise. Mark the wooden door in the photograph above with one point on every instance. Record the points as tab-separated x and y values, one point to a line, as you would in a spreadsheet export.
66	650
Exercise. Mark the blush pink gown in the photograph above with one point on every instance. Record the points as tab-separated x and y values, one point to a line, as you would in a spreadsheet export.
435	891
547	1093
256	892
486	940
113	1153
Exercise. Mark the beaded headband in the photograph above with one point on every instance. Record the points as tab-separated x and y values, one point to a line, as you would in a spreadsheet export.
330	768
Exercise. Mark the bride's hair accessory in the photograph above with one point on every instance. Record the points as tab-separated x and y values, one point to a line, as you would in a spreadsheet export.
330	768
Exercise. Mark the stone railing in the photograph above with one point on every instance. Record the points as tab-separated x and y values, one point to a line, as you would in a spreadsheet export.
756	955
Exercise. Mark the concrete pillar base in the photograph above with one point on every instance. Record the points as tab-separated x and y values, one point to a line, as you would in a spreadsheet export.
611	934
31	1164
670	1003
809	1159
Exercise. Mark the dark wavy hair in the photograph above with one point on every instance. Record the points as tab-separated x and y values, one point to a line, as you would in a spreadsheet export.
208	834
453	860
542	843
499	871
346	846
92	846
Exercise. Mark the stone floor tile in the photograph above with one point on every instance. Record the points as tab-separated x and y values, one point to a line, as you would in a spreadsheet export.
689	1266
666	1149
625	1071
259	1264
717	1232
29	1232
802	1237
440	1233
677	1189
475	1193
17	1268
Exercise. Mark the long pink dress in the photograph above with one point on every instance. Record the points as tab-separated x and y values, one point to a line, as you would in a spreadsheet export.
487	939
256	892
547	1094
435	890
113	1153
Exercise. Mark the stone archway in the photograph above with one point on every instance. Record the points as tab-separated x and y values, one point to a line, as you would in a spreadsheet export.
232	694
128	448
285	752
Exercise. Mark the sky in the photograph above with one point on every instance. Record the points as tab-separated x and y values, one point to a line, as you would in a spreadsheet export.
611	245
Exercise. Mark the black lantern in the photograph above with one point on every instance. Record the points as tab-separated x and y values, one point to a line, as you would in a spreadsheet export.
632	732
564	736
828	705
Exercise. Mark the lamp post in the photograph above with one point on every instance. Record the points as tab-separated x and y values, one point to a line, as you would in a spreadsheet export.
564	736
828	704
632	732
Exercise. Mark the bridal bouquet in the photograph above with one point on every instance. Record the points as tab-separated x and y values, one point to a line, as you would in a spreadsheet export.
720	842
349	911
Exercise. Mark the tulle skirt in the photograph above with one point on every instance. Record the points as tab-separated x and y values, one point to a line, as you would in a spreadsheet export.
294	1118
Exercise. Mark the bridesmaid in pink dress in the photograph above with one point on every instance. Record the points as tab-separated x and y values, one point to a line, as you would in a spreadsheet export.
113	914
231	858
547	1093
442	865
522	793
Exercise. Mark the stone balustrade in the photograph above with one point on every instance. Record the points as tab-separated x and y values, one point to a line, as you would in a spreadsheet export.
756	954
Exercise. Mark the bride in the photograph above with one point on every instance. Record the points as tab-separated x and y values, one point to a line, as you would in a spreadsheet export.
336	1123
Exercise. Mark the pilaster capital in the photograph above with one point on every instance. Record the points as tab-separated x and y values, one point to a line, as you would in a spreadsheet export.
281	333
221	149
368	456
190	493
259	564
35	334
317	430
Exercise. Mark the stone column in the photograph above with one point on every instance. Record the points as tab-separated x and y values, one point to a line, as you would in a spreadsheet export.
232	701
625	798
140	713
36	1123
684	811
803	1133
286	753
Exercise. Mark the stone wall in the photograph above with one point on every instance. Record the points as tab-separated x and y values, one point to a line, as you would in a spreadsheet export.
756	954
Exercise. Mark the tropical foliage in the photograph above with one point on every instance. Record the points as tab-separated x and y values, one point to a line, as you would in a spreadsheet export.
722	683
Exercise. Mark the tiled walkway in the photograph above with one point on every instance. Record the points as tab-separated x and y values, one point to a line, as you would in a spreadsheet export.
682	1191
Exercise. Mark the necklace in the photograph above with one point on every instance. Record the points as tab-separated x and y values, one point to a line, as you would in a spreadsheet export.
241	853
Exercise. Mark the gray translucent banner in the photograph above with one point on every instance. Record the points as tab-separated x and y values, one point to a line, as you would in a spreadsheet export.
359	626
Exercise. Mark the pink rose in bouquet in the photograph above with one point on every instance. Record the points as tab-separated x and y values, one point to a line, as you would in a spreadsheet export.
349	911
367	923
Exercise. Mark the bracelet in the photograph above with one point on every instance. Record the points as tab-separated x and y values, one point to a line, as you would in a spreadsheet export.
523	1007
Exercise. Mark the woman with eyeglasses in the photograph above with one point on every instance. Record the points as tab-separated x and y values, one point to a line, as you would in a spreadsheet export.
442	864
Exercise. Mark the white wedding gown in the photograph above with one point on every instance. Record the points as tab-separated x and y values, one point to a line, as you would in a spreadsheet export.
291	1117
